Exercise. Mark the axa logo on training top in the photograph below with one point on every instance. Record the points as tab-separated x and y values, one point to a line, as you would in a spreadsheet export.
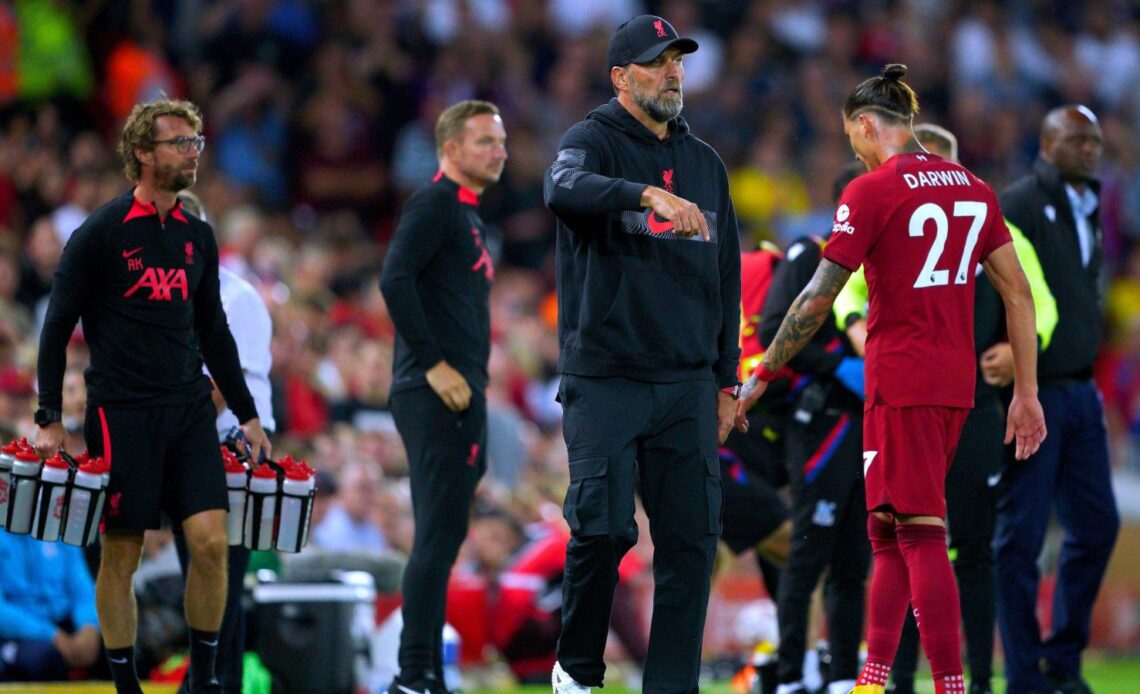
163	283
841	224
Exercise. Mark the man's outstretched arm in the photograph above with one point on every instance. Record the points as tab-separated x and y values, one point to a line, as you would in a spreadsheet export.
805	317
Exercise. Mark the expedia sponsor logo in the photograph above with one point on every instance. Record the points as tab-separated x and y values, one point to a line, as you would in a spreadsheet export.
842	228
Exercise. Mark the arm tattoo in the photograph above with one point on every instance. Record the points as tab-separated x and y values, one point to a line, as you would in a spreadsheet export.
808	312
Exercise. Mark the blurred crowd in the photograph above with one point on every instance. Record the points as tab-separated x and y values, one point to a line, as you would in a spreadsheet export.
319	119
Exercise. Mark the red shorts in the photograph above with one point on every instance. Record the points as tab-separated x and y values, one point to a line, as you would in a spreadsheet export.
907	452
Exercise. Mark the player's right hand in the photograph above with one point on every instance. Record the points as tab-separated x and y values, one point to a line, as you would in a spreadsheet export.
1026	423
450	386
49	439
750	392
687	218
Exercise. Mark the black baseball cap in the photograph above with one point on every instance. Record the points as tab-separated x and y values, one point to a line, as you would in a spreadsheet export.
643	38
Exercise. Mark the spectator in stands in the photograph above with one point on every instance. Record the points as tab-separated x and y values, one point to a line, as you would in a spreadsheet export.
349	523
48	624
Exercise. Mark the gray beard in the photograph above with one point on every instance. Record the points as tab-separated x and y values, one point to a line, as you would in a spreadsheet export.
659	109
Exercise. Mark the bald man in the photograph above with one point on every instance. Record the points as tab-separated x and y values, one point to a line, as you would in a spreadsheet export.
1056	206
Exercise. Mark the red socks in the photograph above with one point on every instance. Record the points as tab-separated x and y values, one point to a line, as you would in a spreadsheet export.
934	595
890	595
912	567
951	684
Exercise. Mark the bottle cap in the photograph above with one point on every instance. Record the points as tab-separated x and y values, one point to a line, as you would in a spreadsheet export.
91	467
298	472
264	471
231	461
28	455
56	461
11	448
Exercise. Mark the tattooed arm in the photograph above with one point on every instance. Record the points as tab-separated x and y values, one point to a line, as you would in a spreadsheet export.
808	312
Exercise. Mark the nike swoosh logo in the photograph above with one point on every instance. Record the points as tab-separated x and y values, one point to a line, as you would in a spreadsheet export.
992	480
128	254
404	689
658	226
211	644
118	661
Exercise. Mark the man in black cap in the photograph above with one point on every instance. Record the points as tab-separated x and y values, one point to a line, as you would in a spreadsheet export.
648	322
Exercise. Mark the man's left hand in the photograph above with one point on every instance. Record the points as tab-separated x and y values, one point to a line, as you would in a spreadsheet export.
725	411
997	365
257	439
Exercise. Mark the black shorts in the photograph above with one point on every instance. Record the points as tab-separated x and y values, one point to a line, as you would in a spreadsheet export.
163	459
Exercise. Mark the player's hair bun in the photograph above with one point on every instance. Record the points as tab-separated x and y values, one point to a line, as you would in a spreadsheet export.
894	72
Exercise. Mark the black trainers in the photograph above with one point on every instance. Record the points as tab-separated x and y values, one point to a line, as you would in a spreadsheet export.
398	687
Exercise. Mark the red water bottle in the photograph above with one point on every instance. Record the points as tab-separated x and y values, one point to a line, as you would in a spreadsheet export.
7	457
296	506
50	499
261	508
22	491
237	486
84	503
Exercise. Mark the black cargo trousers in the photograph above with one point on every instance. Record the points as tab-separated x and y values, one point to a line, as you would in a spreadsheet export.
660	438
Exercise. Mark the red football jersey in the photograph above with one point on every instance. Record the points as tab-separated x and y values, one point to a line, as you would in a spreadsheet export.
919	225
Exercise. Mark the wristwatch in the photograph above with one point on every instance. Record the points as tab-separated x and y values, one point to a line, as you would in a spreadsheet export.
734	391
44	417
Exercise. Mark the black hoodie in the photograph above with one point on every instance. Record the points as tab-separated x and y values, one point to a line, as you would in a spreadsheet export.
635	299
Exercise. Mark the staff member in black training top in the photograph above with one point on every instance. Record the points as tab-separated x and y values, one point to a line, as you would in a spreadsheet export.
438	266
648	321
143	277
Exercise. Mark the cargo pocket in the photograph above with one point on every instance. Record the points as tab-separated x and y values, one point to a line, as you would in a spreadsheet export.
715	494
587	505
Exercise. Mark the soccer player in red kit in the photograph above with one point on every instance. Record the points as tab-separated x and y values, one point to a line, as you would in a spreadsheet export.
919	225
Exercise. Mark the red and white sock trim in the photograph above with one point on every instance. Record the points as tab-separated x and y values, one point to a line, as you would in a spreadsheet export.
874	673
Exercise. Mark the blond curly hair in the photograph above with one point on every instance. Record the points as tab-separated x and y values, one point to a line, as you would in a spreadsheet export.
138	131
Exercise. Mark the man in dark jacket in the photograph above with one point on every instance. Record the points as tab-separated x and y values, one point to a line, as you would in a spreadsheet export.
437	282
648	323
1056	207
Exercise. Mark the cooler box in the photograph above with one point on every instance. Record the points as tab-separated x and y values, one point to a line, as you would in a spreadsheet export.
314	637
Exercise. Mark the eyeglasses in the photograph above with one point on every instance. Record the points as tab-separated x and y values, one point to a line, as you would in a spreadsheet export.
184	143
